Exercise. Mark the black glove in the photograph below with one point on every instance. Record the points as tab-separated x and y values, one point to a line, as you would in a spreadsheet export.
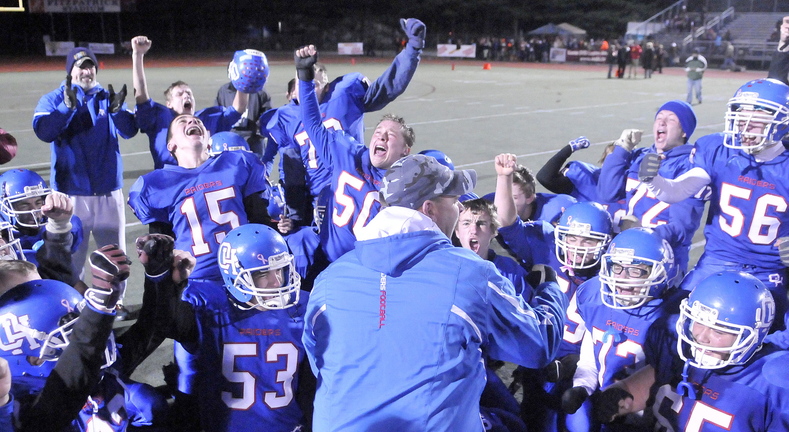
573	398
69	95
605	404
649	167
305	66
540	274
109	267
415	30
155	252
116	99
561	369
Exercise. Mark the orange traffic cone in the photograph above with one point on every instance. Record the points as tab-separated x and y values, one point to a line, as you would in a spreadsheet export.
101	65
353	61
486	66
453	66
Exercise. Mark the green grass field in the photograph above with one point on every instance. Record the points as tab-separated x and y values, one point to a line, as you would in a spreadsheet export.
471	114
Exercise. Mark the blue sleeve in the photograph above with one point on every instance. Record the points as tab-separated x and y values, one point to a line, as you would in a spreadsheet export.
613	175
256	182
125	123
271	144
141	206
147	116
527	241
51	117
314	310
519	333
313	124
218	118
393	82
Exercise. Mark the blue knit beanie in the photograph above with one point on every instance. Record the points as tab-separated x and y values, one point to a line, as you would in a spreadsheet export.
685	114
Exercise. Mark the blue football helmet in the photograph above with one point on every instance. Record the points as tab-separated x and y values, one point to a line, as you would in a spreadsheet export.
276	202
761	101
37	318
10	248
552	208
441	157
731	303
17	185
625	287
227	141
244	253
587	220
248	71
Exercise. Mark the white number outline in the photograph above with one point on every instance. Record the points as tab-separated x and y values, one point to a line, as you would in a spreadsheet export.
215	213
303	139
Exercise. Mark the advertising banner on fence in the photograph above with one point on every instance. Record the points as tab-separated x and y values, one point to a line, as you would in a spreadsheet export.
350	48
453	50
75	6
561	55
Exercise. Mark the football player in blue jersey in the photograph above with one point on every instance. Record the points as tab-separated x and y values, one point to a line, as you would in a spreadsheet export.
356	170
342	103
247	332
35	211
531	205
746	167
154	118
65	366
578	179
633	289
573	248
709	369
202	198
674	124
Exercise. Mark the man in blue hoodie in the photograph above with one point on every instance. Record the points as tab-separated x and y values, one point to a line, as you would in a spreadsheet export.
395	329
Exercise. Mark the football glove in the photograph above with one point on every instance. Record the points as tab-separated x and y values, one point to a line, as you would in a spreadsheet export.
573	398
305	66
155	252
109	267
69	95
540	274
415	30
649	167
561	369
579	143
629	139
605	404
116	99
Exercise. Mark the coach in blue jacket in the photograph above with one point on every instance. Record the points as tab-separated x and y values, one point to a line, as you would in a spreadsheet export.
395	328
82	122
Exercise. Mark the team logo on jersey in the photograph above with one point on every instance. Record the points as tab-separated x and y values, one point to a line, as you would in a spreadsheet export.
17	331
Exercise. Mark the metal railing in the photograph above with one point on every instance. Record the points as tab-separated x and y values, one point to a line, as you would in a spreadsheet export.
646	27
713	23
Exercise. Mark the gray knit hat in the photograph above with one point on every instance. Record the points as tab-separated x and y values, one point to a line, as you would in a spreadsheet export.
415	179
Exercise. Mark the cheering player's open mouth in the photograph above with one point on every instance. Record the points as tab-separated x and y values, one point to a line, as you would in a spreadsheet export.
194	130
661	135
187	106
380	151
473	244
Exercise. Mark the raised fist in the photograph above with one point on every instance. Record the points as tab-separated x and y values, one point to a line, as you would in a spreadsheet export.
415	30
540	274
155	252
629	139
109	267
140	44
505	164
579	143
305	58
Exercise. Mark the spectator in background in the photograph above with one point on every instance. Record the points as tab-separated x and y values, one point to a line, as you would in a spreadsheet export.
635	59
660	54
695	65
611	57
622	59
728	57
649	58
